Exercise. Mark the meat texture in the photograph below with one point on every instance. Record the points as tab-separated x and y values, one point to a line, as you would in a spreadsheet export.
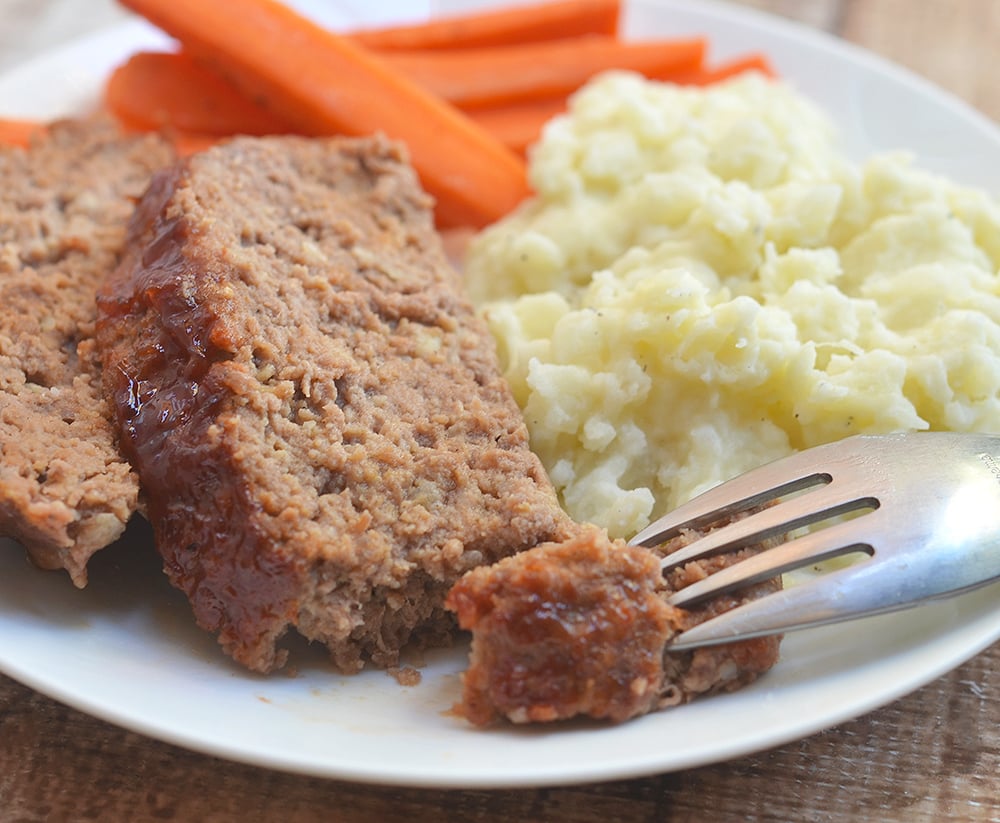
65	491
580	626
315	412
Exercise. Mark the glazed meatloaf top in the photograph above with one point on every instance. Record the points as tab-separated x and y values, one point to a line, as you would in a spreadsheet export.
315	412
65	491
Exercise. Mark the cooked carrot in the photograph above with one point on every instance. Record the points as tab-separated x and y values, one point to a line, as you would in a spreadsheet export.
155	90
518	125
321	83
489	77
18	132
714	74
500	27
170	91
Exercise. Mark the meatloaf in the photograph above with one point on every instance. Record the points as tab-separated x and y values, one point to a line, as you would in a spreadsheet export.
315	411
65	491
579	627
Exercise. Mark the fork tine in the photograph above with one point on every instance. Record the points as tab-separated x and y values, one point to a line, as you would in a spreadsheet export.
830	598
824	544
781	518
834	597
742	493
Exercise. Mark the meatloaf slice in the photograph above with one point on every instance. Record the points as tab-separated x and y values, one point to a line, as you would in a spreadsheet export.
315	412
65	491
579	627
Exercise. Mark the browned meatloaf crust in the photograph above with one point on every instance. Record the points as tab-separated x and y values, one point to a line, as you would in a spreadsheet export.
65	491
315	412
579	627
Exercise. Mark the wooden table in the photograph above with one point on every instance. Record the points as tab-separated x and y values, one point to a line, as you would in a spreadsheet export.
932	756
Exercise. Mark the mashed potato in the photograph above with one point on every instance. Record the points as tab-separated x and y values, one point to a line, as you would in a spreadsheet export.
705	282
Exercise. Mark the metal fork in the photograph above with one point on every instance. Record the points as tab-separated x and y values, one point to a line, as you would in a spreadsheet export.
926	512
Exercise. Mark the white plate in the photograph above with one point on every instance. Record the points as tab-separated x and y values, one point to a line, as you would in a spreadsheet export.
125	649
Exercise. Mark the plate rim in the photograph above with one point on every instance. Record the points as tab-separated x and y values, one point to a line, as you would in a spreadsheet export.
431	777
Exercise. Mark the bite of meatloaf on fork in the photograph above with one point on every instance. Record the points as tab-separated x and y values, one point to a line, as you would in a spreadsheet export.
580	627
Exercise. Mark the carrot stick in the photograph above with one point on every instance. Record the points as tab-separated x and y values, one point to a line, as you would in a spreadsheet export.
322	84
170	91
155	90
500	27
518	125
17	132
489	77
714	74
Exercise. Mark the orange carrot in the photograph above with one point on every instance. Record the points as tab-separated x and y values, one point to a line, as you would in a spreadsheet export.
321	83
500	27
18	132
155	90
489	77
714	74
518	125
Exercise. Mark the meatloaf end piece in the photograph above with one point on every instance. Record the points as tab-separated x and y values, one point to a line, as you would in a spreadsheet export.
65	491
579	627
316	413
